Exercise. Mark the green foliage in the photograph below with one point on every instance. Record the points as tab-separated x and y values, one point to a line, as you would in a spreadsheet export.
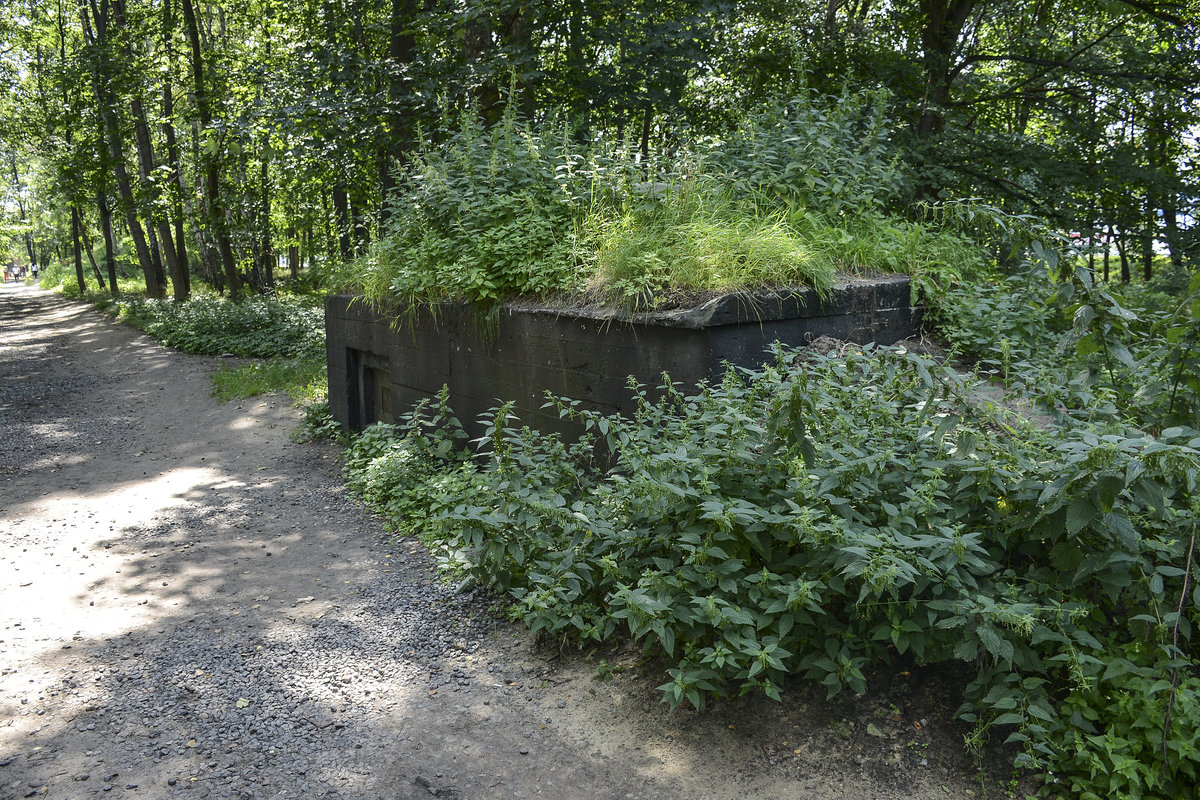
318	423
423	454
791	198
261	327
1120	360
1080	347
871	242
1136	734
302	379
827	154
1077	110
696	241
57	274
483	217
827	514
60	277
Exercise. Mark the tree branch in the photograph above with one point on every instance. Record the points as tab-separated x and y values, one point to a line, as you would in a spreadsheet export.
1103	73
1157	11
1004	185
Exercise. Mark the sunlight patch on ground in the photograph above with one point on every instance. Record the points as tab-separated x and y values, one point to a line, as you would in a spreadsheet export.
83	585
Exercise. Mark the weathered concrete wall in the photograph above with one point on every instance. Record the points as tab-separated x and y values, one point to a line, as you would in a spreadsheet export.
380	364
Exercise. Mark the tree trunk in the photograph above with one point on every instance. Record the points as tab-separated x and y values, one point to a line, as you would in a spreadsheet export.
943	25
76	250
30	249
1108	237
111	132
580	108
146	164
181	281
136	232
110	256
341	213
397	143
361	229
1147	255
477	41
68	137
1124	253
212	178
329	243
266	249
87	248
308	251
1171	228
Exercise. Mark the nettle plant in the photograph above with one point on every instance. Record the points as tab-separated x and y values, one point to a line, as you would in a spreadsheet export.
1077	346
797	194
826	515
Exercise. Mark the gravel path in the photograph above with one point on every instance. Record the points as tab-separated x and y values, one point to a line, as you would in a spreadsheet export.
191	606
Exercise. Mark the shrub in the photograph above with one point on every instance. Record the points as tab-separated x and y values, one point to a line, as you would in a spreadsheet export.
1079	347
810	153
260	327
828	514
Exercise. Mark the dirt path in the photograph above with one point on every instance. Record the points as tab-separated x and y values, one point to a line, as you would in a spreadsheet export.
190	606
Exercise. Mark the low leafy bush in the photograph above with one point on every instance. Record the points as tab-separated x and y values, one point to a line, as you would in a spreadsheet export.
318	423
827	514
424	455
830	155
486	215
261	327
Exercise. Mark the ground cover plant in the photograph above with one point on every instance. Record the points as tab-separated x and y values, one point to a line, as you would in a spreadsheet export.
285	335
261	327
834	512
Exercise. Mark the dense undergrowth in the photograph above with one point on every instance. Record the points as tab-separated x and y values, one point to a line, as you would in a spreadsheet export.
828	514
260	327
794	197
1081	348
285	334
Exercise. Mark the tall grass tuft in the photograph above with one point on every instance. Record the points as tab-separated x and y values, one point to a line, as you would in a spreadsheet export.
795	196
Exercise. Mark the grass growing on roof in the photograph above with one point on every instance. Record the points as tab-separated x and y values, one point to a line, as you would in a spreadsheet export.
794	198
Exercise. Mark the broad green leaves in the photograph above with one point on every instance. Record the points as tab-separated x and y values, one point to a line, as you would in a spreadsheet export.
749	548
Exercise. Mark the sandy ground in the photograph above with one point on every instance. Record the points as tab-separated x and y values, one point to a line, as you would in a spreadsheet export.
191	606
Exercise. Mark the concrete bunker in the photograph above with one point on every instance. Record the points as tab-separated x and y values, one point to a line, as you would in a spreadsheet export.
382	362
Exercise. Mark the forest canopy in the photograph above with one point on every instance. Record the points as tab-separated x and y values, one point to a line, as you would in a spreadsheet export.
184	137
